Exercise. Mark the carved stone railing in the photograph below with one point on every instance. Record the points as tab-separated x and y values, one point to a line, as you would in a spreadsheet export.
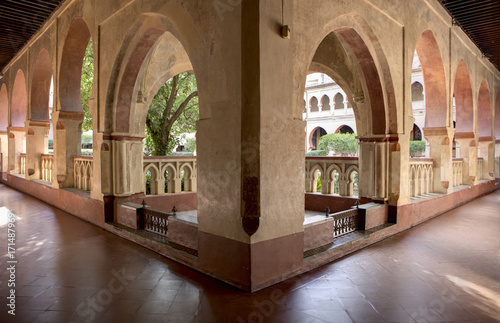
47	167
421	176
458	165
170	174
337	175
345	221
22	169
82	173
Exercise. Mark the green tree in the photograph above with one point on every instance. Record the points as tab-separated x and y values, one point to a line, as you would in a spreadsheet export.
417	147
344	144
190	144
86	85
174	111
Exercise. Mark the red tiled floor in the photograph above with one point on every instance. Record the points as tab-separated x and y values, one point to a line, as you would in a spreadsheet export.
447	269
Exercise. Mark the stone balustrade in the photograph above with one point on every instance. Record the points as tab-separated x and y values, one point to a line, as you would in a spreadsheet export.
338	175
83	172
421	176
458	165
47	167
169	174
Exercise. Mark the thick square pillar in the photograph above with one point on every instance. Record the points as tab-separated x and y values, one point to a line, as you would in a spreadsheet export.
67	145
251	155
16	147
440	139
4	150
486	150
36	145
468	152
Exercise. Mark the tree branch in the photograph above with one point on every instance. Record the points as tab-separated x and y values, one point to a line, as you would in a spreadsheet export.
178	112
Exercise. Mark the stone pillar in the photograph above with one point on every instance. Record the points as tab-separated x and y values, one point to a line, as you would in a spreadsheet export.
36	145
375	160
67	145
440	142
4	150
486	150
250	154
16	147
366	168
497	158
468	152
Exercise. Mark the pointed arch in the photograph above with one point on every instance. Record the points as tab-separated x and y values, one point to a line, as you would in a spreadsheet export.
70	75
40	87
19	101
434	80
463	99
313	104
138	74
350	53
484	121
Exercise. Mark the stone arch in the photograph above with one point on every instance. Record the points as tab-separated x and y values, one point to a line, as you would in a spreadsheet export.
4	108
434	80
350	49
313	104
344	129
71	65
334	183
153	181
314	137
325	103
463	100
339	101
416	133
417	91
187	177
315	173
40	87
484	122
134	81
170	179
351	181
19	101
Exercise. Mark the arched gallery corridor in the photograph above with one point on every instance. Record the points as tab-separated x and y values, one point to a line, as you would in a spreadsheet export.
68	270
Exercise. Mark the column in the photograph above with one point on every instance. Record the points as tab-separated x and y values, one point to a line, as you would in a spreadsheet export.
440	139
16	147
36	145
468	152
67	145
4	150
486	150
251	172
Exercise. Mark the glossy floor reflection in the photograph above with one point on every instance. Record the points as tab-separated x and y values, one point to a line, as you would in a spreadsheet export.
445	270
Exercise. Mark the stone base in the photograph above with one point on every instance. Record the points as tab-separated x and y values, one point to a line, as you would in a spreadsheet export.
81	206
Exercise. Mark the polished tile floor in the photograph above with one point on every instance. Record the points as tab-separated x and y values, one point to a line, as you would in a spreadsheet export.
445	270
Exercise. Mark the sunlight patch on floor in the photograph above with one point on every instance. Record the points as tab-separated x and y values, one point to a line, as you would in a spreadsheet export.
5	214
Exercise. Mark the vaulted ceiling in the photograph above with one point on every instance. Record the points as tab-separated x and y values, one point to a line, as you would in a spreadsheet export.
21	19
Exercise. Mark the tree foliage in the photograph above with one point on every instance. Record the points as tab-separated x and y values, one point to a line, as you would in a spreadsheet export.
86	85
417	147
173	111
344	144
